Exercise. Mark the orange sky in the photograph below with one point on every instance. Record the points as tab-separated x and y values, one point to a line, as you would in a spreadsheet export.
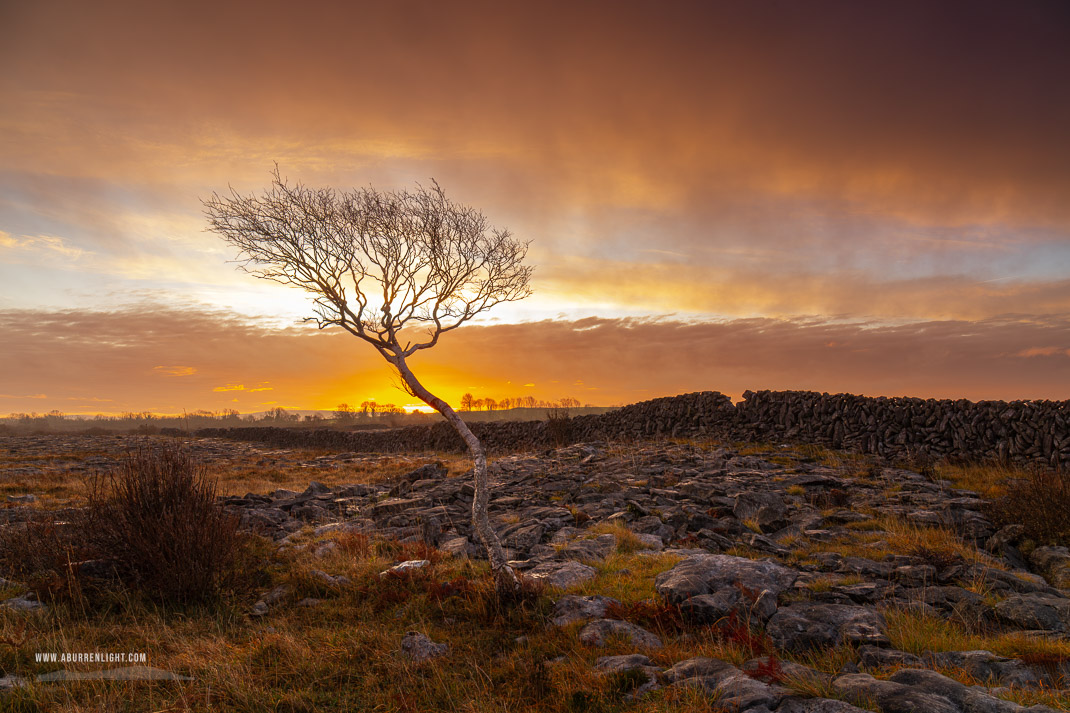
836	196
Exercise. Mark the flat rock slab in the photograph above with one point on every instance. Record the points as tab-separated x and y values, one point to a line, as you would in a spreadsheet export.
596	633
989	669
817	705
562	575
803	627
571	608
892	697
620	664
706	574
405	567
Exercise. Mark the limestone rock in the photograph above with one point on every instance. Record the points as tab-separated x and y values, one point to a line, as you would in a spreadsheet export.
562	575
596	633
418	647
571	608
802	627
705	574
1054	563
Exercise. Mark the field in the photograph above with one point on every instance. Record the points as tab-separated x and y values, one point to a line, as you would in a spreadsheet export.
310	616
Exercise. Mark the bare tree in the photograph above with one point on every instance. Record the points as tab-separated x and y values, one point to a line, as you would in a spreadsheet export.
395	269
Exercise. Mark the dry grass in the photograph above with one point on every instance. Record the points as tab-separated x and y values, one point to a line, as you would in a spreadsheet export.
986	479
885	535
59	482
918	633
627	542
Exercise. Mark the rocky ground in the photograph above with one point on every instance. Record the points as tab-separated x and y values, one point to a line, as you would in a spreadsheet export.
791	554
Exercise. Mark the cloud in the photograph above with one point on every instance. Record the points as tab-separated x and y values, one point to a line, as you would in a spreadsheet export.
621	360
175	370
1043	351
47	244
241	387
672	287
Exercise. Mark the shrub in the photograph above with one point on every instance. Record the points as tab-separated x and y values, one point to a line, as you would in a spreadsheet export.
1040	502
558	426
156	517
657	614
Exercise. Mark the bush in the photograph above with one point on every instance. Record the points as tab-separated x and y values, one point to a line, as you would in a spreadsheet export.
558	426
1040	502
156	517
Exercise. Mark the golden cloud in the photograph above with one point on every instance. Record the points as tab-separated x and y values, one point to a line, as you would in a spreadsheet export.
175	370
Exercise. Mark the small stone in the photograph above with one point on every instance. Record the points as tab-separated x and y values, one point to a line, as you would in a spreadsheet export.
326	549
418	647
571	608
24	603
316	488
596	633
406	567
456	546
619	664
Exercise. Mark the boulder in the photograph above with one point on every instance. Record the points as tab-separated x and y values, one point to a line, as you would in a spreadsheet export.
803	627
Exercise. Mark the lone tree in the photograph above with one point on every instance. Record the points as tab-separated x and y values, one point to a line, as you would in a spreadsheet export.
396	269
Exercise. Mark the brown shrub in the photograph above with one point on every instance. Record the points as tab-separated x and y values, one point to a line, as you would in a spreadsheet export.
156	517
1041	503
558	426
657	614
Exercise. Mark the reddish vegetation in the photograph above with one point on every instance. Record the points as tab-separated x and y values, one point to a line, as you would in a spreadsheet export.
657	614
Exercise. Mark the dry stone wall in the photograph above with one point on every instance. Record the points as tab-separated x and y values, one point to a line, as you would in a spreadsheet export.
1017	431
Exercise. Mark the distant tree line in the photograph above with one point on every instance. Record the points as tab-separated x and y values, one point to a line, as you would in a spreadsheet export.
368	411
470	403
146	422
369	414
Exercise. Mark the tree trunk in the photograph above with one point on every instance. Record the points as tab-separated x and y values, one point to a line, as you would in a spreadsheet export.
480	519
